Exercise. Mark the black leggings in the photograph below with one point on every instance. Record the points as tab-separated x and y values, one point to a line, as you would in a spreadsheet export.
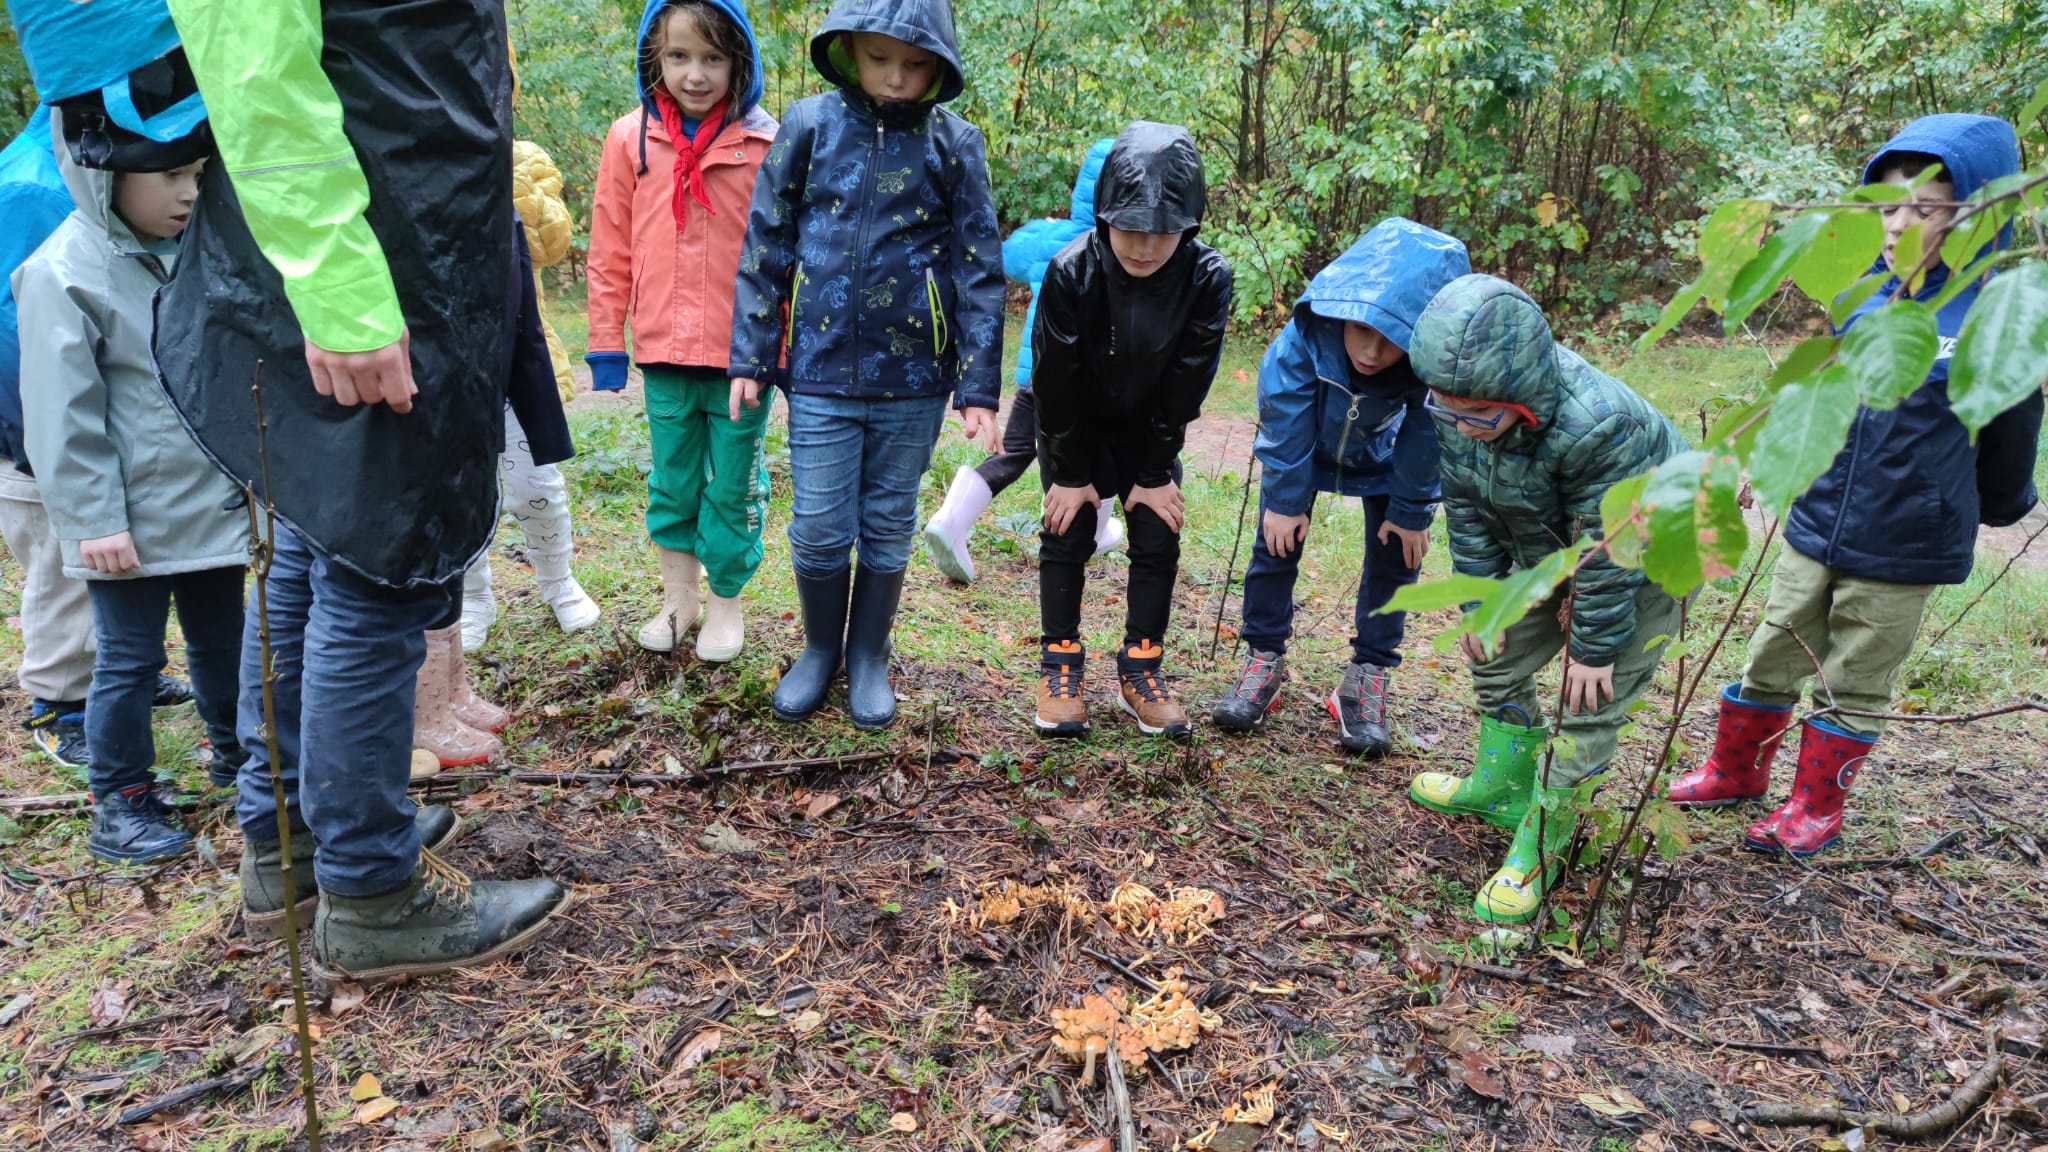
1020	446
1155	561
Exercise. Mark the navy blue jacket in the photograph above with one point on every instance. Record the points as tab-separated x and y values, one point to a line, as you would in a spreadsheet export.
1323	426
1903	499
875	225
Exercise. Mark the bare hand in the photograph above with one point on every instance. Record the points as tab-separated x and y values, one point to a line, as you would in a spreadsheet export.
1474	651
1283	533
112	555
1414	542
745	390
1165	500
1062	504
379	376
1585	686
979	425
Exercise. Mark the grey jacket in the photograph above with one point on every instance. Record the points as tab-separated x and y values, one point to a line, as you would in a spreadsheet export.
108	449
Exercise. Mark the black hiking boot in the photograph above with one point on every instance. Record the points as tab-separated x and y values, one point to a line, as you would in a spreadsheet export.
870	698
801	691
1359	706
262	871
223	763
437	921
170	691
135	826
1256	693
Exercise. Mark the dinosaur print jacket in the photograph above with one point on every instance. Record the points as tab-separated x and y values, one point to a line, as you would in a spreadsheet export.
872	256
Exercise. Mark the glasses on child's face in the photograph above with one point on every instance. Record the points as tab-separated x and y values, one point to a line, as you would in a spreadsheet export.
1429	402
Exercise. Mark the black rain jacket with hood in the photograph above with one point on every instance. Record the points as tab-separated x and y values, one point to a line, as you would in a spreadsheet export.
1124	360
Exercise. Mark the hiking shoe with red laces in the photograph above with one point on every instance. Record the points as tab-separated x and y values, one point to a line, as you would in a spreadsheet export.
1142	692
1256	693
1061	710
1359	706
1746	737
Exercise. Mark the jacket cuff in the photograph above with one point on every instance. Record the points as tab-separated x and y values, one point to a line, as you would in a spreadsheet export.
607	370
1412	517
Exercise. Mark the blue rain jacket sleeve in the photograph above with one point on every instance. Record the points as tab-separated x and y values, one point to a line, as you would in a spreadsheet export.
978	291
32	203
768	255
1286	445
1417	456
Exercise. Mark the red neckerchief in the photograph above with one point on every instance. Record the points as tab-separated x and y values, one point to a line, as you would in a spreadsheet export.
689	154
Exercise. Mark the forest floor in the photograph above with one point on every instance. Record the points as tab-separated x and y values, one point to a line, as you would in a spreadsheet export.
829	985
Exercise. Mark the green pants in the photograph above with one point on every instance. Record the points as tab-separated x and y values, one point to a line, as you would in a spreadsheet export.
1860	630
708	492
1530	644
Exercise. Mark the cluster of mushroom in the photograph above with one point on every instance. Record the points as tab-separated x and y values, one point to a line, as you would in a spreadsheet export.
1167	1021
1005	902
1182	918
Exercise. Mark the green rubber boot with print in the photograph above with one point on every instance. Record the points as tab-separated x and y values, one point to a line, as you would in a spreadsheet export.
1514	894
1503	773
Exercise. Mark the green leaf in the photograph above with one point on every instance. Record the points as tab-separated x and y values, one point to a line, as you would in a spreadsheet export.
1727	243
1808	423
1759	279
1521	592
1672	557
1853	299
2002	354
1618	508
1844	250
1436	595
1718	525
1907	252
1673	312
1876	194
1978	232
1736	430
1889	352
2030	115
1803	361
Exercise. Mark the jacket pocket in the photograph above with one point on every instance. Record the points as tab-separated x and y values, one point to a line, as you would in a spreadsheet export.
942	335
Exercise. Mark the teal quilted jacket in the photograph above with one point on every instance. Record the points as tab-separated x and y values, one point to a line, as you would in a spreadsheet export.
1510	503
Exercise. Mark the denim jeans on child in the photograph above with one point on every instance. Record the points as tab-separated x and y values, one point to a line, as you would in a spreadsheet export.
347	653
129	618
1269	593
855	467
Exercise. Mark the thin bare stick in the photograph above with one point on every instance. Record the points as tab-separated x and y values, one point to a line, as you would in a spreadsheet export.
1230	572
1979	597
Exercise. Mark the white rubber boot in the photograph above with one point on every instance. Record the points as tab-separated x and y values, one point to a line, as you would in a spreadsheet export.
681	602
945	535
724	632
479	604
1109	531
539	500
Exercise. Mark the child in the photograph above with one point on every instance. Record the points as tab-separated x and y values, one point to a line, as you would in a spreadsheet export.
1129	333
141	514
1026	255
1895	516
872	221
670	213
1340	410
1540	436
535	494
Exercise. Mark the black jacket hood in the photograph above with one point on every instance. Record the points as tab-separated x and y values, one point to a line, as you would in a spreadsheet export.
1152	181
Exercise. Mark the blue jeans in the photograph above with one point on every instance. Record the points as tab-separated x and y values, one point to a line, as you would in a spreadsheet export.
855	466
346	654
1269	593
128	618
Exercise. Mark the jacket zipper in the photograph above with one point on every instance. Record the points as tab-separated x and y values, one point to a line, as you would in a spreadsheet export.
1344	439
1848	485
867	207
931	296
1492	471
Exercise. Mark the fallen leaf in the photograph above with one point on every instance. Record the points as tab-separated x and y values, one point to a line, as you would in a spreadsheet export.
700	1047
1705	1127
1815	1007
1833	1050
1475	1072
604	757
374	1110
1900	1104
820	804
1099	1144
807	1022
348	996
15	1008
671	766
1603	1105
366	1088
1650	1142
903	1122
108	1005
1557	1047
1628	1100
1314	922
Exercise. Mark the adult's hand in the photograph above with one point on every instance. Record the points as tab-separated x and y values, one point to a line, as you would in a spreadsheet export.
1166	501
379	376
979	424
745	390
1063	503
112	555
1283	533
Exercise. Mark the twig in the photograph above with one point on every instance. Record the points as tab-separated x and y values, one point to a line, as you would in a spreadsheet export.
1120	1097
1946	842
231	1084
1956	718
1121	969
1230	571
1986	590
1968	1097
1500	972
66	1039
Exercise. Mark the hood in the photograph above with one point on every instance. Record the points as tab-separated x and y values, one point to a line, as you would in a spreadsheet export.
1975	149
644	65
92	195
1152	181
118	67
1387	278
925	23
1482	338
1081	207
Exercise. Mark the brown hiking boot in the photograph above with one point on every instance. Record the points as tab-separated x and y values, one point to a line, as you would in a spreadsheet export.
1143	693
1061	710
437	921
262	872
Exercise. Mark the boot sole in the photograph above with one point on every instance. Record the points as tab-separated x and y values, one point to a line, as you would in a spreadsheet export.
134	859
956	567
1773	848
482	959
1180	733
640	637
720	655
266	926
1061	730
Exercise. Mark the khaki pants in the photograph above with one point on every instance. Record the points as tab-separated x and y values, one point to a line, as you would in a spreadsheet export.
1531	643
1860	630
56	617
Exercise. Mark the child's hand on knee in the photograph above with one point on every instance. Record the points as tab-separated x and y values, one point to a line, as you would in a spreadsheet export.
1414	542
1472	648
744	391
1284	533
1585	687
1165	501
1063	503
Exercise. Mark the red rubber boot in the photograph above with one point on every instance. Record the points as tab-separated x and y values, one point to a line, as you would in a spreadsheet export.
1745	739
1829	760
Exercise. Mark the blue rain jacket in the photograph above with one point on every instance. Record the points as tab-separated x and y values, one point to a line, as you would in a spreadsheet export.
1030	249
1903	499
875	226
33	201
1325	427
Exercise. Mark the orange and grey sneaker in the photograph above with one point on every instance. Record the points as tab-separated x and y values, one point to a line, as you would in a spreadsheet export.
1061	710
1142	691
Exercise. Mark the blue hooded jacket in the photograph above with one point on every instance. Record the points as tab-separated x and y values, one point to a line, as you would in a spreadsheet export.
1325	427
1030	249
1903	499
875	225
649	67
33	201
